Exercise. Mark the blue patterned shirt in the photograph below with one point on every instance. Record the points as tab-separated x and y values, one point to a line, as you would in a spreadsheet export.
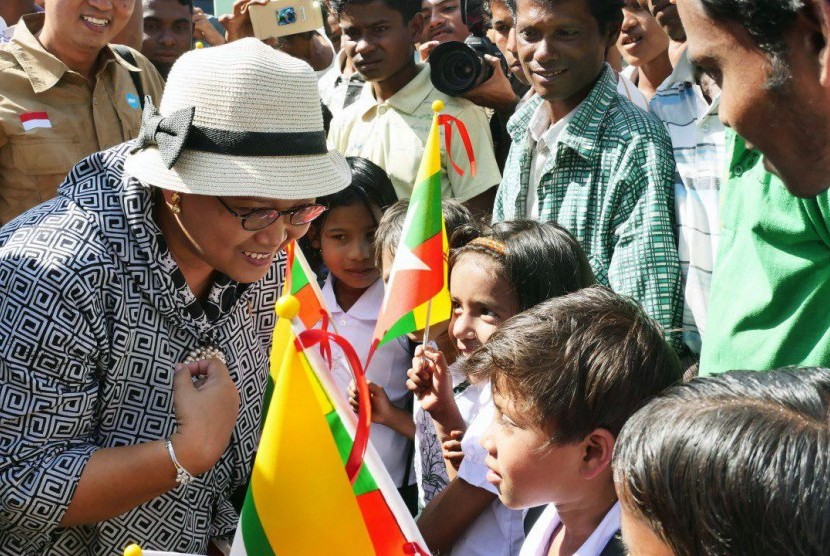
610	182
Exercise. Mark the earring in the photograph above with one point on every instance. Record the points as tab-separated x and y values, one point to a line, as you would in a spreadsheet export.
173	205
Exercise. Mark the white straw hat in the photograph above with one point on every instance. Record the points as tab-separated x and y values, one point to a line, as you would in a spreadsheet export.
241	119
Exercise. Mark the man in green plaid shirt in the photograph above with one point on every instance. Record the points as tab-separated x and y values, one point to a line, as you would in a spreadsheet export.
588	159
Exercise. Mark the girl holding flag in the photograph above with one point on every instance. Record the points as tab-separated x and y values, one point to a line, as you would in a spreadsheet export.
492	278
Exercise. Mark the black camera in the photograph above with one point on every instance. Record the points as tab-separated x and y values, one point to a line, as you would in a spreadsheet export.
457	67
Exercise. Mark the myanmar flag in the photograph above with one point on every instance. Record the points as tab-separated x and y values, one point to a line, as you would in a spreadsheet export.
300	500
301	283
417	289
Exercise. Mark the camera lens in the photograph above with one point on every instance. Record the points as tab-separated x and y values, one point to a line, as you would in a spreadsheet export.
456	68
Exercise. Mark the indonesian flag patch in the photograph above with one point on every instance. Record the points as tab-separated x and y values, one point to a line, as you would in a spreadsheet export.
32	120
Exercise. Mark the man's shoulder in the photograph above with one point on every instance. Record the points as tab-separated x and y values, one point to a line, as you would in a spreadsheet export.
628	123
151	79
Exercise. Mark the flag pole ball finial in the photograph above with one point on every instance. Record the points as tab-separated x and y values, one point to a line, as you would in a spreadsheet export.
438	106
287	307
133	550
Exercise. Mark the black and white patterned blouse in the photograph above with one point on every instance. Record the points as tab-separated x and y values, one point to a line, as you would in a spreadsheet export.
94	314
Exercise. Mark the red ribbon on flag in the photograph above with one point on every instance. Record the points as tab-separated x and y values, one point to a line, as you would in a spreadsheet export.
325	345
446	121
309	338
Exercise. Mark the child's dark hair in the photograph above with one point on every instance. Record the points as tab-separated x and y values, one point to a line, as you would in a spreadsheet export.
578	362
407	8
736	464
390	228
370	186
539	260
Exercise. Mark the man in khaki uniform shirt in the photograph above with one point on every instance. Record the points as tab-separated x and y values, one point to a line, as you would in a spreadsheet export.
64	94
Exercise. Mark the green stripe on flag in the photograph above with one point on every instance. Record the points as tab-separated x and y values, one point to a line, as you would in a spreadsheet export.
426	197
256	541
365	482
298	278
405	325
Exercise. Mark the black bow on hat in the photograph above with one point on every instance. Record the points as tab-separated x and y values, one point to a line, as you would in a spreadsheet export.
168	134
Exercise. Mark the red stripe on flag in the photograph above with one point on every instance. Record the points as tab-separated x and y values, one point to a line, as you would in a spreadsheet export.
34	116
383	528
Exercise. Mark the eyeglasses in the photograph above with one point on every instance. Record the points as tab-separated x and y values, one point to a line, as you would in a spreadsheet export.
262	218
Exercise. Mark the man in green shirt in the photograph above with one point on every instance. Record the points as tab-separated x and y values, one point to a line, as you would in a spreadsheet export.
772	61
769	304
588	159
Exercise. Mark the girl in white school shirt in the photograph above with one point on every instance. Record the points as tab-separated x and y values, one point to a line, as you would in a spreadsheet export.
353	292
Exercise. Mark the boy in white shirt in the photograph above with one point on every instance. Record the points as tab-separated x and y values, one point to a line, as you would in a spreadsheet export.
566	375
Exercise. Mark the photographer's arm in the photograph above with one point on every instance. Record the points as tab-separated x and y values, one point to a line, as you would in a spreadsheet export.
496	93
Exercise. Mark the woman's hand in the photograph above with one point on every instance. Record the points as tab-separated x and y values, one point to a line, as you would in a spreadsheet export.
206	403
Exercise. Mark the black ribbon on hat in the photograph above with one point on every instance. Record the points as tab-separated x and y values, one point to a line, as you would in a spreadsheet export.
174	133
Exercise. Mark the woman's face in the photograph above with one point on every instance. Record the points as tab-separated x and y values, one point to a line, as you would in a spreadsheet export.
218	240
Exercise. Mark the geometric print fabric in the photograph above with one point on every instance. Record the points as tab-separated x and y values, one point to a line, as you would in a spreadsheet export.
93	317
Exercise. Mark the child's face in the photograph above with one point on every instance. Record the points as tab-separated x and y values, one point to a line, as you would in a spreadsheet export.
345	242
481	300
639	538
526	468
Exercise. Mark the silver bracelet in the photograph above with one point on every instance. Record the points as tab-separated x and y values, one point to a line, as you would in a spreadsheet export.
183	476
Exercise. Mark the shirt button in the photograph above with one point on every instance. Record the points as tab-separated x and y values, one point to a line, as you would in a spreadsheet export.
738	170
382	109
705	128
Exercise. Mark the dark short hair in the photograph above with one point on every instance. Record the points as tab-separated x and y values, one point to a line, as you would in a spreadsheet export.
735	464
766	21
390	228
576	363
540	260
608	13
188	3
407	8
370	187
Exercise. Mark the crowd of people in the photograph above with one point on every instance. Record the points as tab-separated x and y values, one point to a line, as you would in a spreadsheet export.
637	358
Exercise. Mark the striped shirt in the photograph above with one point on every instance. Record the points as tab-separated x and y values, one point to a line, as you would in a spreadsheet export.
697	137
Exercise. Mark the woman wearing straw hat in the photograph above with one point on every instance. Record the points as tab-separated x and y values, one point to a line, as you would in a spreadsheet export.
137	311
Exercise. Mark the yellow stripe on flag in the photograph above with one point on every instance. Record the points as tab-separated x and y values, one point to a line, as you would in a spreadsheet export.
299	460
431	163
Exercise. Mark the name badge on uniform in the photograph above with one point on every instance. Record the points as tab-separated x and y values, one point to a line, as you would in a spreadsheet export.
132	100
33	120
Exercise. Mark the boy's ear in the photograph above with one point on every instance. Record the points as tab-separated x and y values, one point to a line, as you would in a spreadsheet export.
821	9
313	236
598	447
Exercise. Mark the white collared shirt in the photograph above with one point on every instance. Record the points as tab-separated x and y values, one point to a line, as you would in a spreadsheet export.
545	136
539	539
498	530
388	369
